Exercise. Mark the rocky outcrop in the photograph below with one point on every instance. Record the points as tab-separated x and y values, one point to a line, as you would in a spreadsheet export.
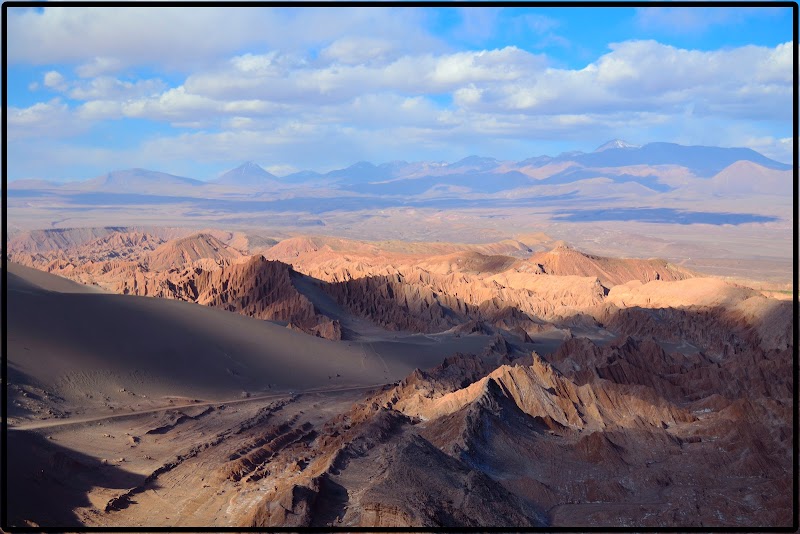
424	487
420	301
608	424
178	253
563	260
257	288
540	391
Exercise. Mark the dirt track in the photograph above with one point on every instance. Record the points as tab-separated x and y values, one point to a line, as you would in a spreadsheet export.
83	420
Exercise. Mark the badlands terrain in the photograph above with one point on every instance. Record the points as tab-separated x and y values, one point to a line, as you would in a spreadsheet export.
185	376
589	339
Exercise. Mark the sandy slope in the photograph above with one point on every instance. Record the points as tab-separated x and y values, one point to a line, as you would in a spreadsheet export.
115	350
27	279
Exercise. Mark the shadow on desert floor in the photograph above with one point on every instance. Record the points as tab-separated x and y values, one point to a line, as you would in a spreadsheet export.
48	483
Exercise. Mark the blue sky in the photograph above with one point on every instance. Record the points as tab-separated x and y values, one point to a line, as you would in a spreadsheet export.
196	91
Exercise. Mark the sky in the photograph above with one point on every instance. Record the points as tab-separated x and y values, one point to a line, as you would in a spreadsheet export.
196	91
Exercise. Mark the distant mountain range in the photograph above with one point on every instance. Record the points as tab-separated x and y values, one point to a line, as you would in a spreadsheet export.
702	161
633	168
137	181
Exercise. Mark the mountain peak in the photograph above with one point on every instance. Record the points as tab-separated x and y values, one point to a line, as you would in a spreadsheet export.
615	143
248	174
475	163
474	160
251	168
362	165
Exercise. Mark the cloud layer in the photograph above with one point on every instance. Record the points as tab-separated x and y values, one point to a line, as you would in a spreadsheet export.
284	88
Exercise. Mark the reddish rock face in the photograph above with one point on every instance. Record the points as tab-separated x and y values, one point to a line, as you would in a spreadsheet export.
198	268
257	288
563	260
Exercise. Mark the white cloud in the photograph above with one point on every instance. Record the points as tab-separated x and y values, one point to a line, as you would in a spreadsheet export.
98	66
353	50
262	65
238	123
743	82
179	105
280	78
635	76
378	111
43	120
373	92
126	35
172	104
188	38
100	110
507	64
776	66
109	88
779	149
54	80
466	96
35	114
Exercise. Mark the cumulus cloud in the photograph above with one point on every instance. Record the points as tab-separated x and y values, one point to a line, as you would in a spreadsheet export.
187	38
36	113
98	66
285	83
54	80
353	50
100	110
109	88
742	82
61	34
43	120
634	76
291	79
180	105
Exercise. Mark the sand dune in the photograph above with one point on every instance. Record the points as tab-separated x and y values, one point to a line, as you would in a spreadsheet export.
98	344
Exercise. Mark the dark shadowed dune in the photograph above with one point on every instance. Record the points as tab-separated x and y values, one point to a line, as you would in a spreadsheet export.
98	343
